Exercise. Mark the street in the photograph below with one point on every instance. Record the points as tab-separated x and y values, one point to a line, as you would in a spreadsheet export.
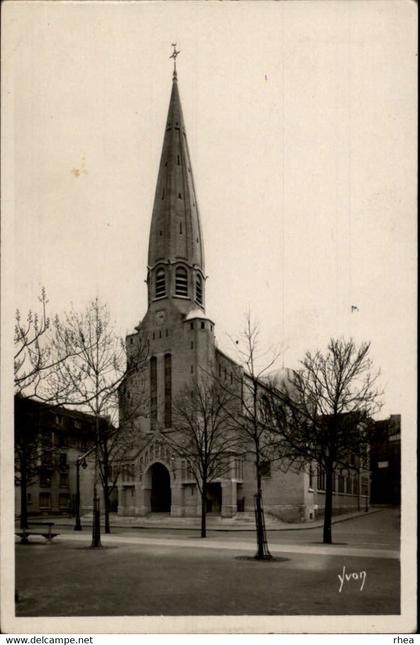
152	572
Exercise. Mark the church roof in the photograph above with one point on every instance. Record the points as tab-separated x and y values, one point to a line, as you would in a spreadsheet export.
175	233
197	313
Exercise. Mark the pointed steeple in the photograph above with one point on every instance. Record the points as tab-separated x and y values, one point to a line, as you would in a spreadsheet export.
175	233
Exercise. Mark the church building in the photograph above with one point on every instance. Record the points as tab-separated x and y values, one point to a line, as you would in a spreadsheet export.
181	344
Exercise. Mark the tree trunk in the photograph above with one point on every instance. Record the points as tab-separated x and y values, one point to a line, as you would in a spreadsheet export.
262	547
204	510
23	492
329	474
106	507
258	516
96	523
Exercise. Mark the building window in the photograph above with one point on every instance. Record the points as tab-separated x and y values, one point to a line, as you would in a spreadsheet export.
62	460
180	228
29	498
45	479
364	486
64	480
153	391
192	325
311	476
63	500
265	469
356	485
238	468
348	485
163	194
168	390
179	196
192	345
45	500
199	289
340	483
160	283
181	282
321	478
177	160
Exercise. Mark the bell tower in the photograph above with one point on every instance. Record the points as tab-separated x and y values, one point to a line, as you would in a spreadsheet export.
176	330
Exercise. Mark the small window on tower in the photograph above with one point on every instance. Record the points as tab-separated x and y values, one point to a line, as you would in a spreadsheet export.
179	196
163	194
177	160
180	228
181	282
160	283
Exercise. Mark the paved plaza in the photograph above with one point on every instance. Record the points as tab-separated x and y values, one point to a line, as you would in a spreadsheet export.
153	572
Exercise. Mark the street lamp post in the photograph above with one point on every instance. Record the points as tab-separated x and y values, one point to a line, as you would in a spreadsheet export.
80	461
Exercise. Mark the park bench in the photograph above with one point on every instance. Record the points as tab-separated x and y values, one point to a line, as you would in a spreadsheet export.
45	532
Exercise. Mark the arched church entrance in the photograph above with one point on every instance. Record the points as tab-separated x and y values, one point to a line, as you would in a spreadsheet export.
160	496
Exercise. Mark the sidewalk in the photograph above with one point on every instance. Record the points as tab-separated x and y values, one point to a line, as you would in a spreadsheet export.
212	544
241	522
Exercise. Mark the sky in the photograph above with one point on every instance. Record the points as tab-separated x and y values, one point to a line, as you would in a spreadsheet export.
300	119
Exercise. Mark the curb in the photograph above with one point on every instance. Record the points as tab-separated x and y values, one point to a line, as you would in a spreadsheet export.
231	527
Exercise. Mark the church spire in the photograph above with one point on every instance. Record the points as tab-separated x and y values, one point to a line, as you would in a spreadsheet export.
176	256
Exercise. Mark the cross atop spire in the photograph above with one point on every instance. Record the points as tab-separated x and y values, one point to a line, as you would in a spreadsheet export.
174	55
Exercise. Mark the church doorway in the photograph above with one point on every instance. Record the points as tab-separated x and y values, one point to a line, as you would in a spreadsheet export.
214	498
160	498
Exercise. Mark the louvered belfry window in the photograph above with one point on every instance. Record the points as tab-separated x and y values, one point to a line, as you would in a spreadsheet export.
199	289
160	283
181	282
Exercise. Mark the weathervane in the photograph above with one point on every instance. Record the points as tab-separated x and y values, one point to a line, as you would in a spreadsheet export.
174	55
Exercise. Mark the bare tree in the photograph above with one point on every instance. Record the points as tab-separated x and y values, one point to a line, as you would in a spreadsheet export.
203	436
34	361
96	366
34	356
323	413
250	423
